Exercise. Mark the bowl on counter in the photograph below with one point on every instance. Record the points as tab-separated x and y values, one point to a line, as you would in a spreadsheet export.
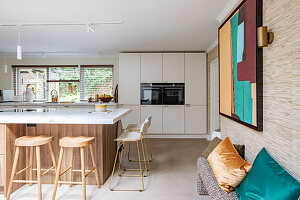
105	99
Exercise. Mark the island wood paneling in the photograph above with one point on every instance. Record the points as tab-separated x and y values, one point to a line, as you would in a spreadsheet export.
14	131
2	157
104	147
281	95
2	172
2	139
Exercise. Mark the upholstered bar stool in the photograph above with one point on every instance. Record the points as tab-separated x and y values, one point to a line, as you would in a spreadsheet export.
76	142
32	142
137	127
123	140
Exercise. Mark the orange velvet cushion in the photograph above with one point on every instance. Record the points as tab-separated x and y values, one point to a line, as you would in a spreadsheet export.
228	166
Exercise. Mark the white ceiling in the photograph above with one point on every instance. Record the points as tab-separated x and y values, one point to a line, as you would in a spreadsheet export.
149	25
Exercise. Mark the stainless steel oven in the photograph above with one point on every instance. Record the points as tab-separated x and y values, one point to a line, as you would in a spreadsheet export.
162	93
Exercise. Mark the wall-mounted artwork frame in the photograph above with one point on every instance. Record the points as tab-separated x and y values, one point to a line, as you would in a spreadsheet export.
241	66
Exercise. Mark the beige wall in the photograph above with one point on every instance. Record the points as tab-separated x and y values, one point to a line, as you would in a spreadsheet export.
281	91
6	78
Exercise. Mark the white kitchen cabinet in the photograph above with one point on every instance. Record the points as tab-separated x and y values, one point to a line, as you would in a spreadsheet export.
129	78
132	118
173	119
151	67
156	123
195	120
195	79
173	67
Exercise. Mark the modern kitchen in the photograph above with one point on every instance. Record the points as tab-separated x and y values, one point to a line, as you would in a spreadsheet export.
90	110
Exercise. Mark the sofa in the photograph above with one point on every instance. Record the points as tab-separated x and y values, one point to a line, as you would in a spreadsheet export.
207	183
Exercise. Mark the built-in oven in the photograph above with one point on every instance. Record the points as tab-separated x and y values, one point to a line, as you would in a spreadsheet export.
162	93
151	94
173	94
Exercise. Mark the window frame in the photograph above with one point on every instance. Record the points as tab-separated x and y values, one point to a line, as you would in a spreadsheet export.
81	81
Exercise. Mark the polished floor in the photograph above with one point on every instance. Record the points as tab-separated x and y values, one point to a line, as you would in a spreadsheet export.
173	176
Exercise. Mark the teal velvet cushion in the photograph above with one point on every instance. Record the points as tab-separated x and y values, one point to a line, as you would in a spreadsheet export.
267	180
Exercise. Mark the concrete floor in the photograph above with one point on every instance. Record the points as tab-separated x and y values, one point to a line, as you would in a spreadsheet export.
173	176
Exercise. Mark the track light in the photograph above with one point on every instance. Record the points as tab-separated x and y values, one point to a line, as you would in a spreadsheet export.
19	47
89	28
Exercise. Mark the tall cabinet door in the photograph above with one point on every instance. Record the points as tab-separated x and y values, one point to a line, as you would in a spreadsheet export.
129	78
151	67
173	67
132	118
195	120
195	79
173	119
156	122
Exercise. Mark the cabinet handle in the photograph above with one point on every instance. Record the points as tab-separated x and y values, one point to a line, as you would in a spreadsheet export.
165	106
187	105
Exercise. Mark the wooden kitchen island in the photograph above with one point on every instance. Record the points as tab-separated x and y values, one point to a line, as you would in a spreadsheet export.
59	123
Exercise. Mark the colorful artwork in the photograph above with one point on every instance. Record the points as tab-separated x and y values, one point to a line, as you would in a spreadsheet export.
241	65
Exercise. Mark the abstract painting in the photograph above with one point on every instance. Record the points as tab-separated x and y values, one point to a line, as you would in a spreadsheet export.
240	63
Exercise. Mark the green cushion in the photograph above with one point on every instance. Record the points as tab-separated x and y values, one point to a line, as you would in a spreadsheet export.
268	180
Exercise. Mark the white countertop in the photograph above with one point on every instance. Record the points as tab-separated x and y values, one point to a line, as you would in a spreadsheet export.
46	104
62	116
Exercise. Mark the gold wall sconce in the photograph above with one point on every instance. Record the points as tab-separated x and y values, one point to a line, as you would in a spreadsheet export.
264	38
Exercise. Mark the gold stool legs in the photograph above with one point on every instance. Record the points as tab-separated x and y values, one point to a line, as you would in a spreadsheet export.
147	146
141	169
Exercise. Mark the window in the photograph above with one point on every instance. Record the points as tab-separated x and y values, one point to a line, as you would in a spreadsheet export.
97	81
71	83
34	78
65	81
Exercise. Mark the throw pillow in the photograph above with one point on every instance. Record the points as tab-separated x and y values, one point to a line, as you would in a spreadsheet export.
228	166
268	180
211	146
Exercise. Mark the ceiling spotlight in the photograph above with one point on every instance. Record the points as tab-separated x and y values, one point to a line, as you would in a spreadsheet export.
89	28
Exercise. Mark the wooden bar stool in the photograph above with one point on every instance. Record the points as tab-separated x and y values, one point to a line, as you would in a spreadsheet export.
76	142
32	142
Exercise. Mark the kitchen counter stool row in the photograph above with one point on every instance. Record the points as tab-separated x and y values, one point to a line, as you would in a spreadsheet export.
35	142
134	133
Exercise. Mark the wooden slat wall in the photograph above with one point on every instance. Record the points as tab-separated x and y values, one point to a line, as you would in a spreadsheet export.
2	139
14	131
281	74
2	157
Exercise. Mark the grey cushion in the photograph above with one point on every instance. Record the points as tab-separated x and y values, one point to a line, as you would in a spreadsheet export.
207	182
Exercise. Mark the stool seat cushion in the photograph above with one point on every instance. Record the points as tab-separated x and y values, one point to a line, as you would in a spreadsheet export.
28	141
134	127
130	136
80	141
